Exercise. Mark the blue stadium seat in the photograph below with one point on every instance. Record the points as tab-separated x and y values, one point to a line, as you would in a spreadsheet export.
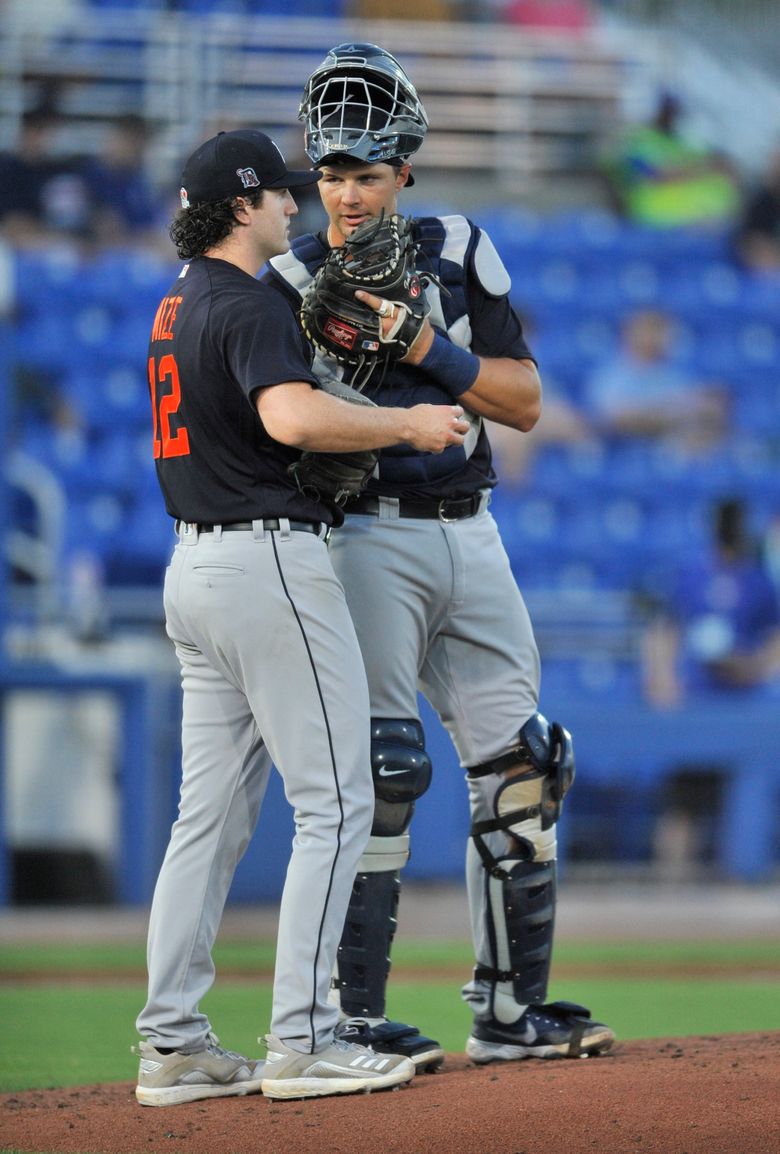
585	516
759	296
51	279
140	554
139	5
67	455
581	235
93	524
130	280
45	339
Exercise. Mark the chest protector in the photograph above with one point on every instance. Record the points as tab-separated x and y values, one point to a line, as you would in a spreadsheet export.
452	250
445	243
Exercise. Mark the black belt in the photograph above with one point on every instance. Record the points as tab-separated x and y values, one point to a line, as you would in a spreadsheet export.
444	510
268	523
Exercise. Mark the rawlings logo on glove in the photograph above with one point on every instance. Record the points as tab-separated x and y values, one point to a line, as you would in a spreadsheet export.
345	336
379	258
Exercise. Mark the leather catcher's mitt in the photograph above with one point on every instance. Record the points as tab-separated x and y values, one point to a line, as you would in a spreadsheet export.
379	257
335	476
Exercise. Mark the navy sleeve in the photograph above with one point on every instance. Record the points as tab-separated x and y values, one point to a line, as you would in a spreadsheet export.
268	347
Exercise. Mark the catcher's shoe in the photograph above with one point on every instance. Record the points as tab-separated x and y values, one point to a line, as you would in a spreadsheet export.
341	1068
393	1038
554	1030
170	1079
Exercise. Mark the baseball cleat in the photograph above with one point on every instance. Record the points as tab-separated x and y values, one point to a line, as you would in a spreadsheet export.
341	1068
170	1079
393	1038
554	1030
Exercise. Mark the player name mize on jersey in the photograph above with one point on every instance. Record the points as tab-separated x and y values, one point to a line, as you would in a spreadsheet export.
170	437
162	329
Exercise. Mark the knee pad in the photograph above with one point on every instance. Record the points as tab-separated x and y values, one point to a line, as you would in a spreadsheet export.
528	805
401	769
400	766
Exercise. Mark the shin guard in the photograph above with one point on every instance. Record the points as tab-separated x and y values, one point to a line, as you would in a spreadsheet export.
363	962
520	904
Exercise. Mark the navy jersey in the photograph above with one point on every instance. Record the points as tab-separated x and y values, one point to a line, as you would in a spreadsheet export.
219	336
474	311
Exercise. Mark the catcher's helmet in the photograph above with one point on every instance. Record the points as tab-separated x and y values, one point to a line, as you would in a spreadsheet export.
359	103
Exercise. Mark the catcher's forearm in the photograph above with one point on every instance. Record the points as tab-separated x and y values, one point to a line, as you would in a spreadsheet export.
498	388
506	391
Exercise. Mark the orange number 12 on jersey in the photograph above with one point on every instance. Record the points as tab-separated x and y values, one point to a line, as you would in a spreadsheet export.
164	444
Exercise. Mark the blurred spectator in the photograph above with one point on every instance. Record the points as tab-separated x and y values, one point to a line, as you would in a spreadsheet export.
657	177
643	392
43	195
687	833
39	399
567	15
717	627
561	423
770	549
757	236
124	204
717	630
49	198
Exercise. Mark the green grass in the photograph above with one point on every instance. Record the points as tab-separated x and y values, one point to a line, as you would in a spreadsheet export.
76	1032
251	956
62	959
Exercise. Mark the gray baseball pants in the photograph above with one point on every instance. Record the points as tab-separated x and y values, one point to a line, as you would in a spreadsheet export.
271	672
437	609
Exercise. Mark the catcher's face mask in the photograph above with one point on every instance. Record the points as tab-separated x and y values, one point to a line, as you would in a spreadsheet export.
360	104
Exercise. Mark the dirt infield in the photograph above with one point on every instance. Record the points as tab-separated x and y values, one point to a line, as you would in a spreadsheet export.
676	1096
713	1095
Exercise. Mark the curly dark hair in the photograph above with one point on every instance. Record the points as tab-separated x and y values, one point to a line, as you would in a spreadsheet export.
194	230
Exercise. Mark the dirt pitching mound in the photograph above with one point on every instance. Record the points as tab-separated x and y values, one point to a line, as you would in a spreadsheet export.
713	1095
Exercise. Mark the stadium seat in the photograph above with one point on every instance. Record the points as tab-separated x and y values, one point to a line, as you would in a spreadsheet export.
585	516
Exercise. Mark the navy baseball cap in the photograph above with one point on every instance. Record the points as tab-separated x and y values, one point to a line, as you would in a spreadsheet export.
233	163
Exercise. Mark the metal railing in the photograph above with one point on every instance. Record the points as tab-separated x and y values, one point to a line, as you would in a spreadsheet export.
36	554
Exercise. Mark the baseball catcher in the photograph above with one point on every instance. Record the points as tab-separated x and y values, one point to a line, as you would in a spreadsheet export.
421	531
378	258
